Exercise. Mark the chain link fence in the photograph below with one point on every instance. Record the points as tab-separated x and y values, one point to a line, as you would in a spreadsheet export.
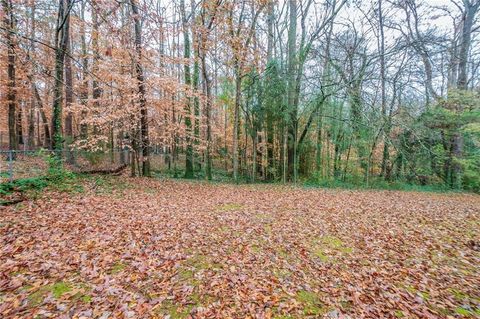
20	164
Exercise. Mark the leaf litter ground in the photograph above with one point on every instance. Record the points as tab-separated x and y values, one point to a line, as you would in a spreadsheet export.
147	248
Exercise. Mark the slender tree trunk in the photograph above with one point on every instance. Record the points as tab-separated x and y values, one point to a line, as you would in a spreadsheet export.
208	110
269	119
145	142
68	102
9	22
254	155
84	87
96	90
188	83
31	115
19	123
196	102
47	141
381	40
61	41
236	118
270	34
470	11
292	86
38	100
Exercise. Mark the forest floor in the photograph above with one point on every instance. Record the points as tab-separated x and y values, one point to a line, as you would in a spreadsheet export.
149	248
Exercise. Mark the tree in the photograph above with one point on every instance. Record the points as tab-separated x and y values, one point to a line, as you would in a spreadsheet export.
188	82
61	44
468	16
145	142
240	43
9	25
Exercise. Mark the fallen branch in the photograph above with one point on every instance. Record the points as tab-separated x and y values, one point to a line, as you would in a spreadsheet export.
112	171
13	201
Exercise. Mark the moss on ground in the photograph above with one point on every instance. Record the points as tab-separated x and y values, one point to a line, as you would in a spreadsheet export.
311	303
327	248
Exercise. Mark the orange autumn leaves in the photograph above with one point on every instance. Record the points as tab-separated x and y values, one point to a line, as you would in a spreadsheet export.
136	248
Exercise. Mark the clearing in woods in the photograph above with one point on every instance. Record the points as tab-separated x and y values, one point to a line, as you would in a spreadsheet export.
146	248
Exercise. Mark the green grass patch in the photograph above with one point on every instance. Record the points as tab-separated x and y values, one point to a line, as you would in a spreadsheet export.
194	264
117	267
229	207
57	290
328	247
173	310
311	303
281	273
321	255
467	312
464	297
36	298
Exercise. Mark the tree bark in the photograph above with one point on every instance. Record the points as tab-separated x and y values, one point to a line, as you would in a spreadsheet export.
188	83
292	85
68	95
84	87
236	119
381	40
61	41
9	23
145	142
31	115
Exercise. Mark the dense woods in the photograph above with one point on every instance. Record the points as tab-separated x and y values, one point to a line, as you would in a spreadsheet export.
336	91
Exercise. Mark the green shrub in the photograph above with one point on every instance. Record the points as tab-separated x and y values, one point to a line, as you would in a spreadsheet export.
57	177
376	183
24	184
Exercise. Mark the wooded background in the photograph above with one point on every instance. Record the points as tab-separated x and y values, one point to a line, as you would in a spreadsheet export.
340	91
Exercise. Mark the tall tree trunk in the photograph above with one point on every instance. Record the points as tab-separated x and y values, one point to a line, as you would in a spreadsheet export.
84	87
31	115
270	34
68	95
470	11
20	124
236	117
208	110
47	141
196	34
292	87
9	24
202	52
269	115
61	41
325	80
188	82
381	45
145	145
238	65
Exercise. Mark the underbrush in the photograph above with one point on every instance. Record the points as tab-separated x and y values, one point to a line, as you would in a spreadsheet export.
56	178
218	175
378	184
222	176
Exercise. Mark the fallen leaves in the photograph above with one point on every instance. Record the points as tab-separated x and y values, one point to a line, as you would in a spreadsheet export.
166	249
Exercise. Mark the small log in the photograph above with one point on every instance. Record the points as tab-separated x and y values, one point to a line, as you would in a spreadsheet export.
13	201
112	171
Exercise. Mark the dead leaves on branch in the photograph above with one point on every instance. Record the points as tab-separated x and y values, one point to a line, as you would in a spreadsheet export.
164	249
